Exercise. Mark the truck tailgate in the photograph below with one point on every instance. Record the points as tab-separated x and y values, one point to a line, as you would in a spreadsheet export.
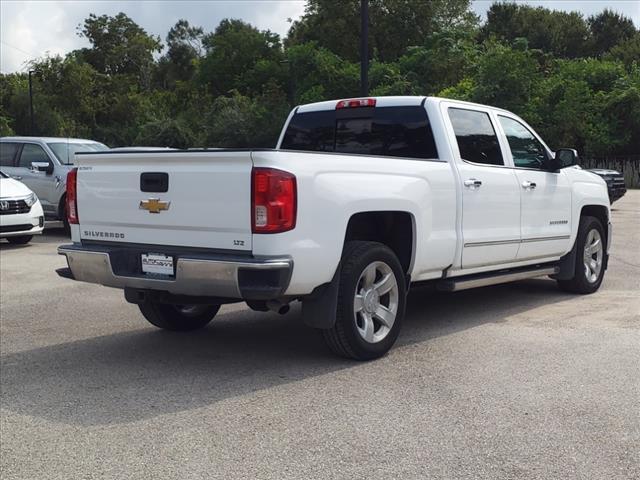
205	203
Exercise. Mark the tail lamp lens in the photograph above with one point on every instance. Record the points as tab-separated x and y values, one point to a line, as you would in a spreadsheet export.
72	197
273	200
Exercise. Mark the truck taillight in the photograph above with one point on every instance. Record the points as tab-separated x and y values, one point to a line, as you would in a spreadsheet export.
273	200
72	197
356	102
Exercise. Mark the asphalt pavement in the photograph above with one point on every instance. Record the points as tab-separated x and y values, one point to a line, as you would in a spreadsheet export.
504	382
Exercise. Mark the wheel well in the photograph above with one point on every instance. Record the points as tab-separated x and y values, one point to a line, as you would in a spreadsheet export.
394	229
598	211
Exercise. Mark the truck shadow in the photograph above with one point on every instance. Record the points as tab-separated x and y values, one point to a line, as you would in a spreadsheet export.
140	374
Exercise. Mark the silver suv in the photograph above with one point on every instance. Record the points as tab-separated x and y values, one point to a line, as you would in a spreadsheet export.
42	164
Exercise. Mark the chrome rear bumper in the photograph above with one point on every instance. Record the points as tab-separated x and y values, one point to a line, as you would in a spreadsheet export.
217	275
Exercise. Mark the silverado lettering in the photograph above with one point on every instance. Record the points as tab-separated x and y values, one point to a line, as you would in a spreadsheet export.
96	234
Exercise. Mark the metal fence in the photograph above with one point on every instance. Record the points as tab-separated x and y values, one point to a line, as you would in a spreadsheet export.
628	165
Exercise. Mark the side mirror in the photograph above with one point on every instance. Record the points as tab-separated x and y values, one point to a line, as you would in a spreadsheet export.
46	167
565	157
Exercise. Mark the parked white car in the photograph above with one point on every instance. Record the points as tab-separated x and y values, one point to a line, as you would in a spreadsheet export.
360	199
21	215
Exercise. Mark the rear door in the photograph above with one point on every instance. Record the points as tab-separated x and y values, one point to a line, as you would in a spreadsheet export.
186	199
490	191
545	196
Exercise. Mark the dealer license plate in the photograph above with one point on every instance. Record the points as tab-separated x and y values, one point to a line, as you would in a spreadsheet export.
157	263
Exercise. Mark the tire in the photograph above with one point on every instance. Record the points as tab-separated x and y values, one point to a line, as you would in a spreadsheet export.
178	318
370	311
21	240
63	214
590	264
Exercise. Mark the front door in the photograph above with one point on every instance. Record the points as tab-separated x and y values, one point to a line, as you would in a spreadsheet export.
41	183
490	192
545	196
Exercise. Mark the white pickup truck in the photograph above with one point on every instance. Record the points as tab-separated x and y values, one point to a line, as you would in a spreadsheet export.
360	199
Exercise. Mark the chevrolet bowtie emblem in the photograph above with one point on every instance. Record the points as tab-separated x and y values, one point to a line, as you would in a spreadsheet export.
154	205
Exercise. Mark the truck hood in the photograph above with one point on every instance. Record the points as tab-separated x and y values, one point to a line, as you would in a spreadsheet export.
10	187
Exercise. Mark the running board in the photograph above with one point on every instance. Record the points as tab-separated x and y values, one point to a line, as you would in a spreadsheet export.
484	279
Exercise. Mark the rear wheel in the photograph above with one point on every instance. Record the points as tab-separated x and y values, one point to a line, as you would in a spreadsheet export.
63	214
590	253
178	317
21	240
371	302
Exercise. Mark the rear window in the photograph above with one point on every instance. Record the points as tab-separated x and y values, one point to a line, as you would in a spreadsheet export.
381	131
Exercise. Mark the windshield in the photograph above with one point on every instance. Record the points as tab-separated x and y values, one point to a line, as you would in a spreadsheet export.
65	151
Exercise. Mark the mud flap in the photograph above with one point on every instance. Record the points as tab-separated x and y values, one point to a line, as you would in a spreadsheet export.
319	307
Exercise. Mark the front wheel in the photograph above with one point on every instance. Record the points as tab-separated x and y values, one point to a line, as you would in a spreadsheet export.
21	240
371	302
590	262
180	318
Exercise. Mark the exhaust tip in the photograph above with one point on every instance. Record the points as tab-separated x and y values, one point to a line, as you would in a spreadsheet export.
284	309
278	306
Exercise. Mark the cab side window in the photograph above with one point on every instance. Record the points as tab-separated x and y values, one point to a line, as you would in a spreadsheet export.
32	153
477	140
8	154
526	150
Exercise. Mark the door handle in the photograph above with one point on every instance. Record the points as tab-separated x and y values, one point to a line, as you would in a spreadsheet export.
472	183
528	185
17	177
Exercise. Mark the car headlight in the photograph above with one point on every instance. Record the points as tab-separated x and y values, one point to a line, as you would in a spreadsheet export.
31	199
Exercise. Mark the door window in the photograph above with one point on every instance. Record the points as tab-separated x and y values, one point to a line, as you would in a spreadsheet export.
526	150
8	154
476	137
32	153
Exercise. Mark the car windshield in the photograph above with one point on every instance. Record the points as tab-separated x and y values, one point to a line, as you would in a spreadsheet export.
65	151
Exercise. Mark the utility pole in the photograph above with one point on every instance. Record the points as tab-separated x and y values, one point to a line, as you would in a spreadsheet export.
364	48
31	130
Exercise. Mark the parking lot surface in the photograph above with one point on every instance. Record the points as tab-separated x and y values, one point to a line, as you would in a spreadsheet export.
511	381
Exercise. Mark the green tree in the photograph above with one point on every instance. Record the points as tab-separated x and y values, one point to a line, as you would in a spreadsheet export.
576	107
234	49
628	51
506	78
119	46
444	60
394	25
609	29
318	74
184	48
560	33
165	133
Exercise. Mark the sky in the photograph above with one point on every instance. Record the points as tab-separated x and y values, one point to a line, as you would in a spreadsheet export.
33	29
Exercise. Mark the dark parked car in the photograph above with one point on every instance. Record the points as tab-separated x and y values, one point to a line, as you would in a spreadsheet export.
615	182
